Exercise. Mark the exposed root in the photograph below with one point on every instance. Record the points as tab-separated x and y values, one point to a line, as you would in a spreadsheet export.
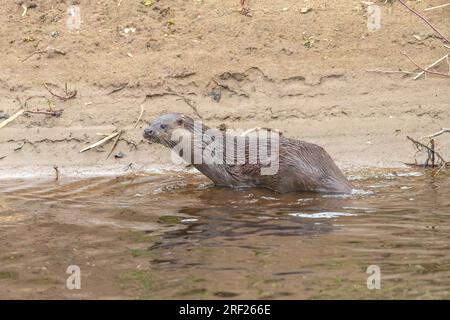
68	94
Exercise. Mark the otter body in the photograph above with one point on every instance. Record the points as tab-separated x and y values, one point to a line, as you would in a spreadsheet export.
302	166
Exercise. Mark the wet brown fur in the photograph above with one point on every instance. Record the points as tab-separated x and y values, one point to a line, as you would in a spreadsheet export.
303	166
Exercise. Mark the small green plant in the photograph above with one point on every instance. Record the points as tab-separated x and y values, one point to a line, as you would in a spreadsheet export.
50	104
309	41
142	278
135	253
169	219
8	275
28	39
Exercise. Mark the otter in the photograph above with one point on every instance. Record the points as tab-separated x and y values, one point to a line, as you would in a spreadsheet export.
300	166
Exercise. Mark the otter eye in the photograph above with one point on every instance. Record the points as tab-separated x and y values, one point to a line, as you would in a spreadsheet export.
163	126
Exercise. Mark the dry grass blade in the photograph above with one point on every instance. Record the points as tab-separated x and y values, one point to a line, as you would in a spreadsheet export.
115	144
69	95
100	142
443	130
431	66
425	70
438	7
140	116
25	10
49	50
392	71
12	118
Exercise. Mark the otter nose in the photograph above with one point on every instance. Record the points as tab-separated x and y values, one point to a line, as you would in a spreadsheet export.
148	132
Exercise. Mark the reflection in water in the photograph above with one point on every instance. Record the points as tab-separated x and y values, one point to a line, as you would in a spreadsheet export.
176	236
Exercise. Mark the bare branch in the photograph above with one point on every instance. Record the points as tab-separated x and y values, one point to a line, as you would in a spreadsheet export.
431	66
425	20
69	95
425	70
431	152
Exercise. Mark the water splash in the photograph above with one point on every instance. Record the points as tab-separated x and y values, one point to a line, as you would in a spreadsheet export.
321	215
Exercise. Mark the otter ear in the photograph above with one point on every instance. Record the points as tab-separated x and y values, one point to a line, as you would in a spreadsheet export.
180	122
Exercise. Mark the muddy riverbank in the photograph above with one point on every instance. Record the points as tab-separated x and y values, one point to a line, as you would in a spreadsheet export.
307	74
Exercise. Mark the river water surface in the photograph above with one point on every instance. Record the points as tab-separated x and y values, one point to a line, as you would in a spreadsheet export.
173	235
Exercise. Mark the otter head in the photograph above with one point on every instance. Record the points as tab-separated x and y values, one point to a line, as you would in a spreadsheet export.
161	129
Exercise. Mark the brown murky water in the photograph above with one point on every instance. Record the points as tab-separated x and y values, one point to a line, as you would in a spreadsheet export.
172	235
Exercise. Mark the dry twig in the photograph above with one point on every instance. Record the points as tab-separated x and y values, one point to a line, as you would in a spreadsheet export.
443	130
117	134
425	20
438	7
431	66
12	118
425	70
25	9
140	116
123	86
54	113
69	95
49	50
56	173
115	144
100	142
430	151
34	52
19	147
392	71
